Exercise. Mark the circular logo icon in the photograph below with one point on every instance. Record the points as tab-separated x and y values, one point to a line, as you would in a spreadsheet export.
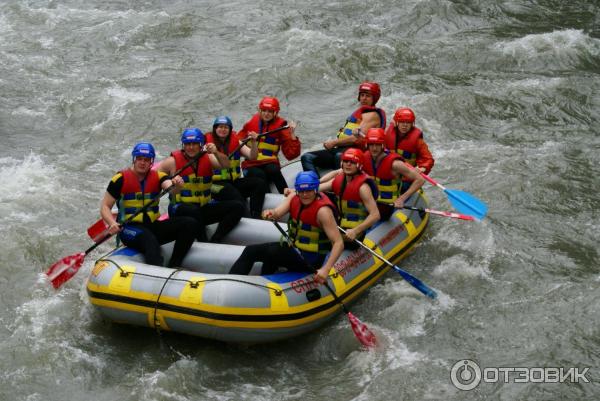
465	375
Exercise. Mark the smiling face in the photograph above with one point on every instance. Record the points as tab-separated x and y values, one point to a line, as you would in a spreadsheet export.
222	130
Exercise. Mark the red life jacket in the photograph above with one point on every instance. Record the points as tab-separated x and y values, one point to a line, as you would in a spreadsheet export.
268	145
356	118
134	197
388	184
196	184
234	171
305	231
405	146
350	205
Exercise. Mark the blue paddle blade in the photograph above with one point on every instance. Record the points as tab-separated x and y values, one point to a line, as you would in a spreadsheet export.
415	282
466	203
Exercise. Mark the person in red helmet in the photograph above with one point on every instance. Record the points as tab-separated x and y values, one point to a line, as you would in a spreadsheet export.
366	116
403	138
388	170
356	193
266	165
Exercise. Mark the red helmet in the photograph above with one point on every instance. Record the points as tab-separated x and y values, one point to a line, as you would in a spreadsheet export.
372	88
404	115
354	155
375	135
269	103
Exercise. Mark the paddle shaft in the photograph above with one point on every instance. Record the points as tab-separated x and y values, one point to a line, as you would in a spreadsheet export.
415	282
425	176
246	140
441	213
436	212
462	201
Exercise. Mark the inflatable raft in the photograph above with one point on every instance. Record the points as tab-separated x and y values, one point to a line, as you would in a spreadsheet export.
202	299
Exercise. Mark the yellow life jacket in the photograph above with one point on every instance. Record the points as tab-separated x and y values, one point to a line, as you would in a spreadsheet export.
135	195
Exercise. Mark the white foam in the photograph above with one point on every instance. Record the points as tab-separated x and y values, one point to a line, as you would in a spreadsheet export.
46	42
23	111
391	354
27	178
459	265
122	94
567	42
536	83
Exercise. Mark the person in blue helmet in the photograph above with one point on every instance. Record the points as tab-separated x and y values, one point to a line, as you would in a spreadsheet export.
134	188
228	183
312	228
195	198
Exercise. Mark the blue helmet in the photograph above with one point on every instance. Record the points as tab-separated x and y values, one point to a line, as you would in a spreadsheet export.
223	120
192	135
144	149
307	181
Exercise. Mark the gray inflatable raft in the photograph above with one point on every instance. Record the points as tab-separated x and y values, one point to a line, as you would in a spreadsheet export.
201	299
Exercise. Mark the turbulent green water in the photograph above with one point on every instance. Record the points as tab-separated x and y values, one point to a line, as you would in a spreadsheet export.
507	93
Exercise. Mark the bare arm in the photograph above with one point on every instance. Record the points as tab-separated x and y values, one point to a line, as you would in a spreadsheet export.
369	120
250	149
279	211
400	169
327	221
217	159
330	176
326	186
345	141
167	165
366	195
106	206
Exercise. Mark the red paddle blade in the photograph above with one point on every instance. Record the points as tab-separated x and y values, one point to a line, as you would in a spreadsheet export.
362	332
97	231
64	269
451	214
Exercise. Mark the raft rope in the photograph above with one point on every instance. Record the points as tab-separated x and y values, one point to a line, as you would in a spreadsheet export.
195	283
156	321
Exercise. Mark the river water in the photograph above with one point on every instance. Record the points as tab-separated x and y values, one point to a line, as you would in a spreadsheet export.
507	93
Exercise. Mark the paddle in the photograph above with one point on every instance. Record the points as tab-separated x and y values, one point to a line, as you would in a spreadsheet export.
436	212
97	230
441	213
246	140
361	331
462	201
61	271
415	282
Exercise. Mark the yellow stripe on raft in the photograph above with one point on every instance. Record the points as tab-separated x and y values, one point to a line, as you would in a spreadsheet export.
189	297
279	302
192	292
121	280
